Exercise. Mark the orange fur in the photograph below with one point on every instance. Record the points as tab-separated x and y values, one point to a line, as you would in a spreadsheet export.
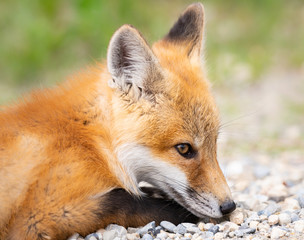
58	147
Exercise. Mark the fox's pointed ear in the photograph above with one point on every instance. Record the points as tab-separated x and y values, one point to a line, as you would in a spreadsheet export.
188	30
131	63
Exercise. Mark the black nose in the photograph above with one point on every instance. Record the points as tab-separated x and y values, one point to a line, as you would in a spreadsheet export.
227	207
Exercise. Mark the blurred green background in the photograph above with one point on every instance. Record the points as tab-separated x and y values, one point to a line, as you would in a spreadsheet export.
43	41
254	55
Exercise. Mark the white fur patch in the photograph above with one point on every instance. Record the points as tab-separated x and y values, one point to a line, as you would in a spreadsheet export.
141	165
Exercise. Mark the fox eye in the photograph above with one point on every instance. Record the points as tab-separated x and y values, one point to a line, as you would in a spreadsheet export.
185	150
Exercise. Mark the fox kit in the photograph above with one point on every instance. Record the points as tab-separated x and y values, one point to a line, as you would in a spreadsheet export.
72	158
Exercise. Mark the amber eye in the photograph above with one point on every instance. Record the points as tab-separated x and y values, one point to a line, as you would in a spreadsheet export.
185	150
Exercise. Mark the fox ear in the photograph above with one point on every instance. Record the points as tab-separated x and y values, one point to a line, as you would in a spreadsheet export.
188	30
131	63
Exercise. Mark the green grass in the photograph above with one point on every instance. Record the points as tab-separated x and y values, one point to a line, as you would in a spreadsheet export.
43	41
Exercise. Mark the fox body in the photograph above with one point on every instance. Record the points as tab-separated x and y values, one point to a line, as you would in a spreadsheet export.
72	157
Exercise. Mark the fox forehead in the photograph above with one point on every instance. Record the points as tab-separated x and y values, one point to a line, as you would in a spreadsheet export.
187	95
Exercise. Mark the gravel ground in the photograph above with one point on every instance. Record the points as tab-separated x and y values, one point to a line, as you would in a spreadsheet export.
262	156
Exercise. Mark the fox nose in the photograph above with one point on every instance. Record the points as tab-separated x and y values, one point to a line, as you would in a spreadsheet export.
227	207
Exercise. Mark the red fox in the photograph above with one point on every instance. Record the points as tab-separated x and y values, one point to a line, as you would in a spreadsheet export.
72	158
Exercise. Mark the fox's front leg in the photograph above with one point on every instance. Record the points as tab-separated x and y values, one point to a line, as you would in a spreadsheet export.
118	206
86	215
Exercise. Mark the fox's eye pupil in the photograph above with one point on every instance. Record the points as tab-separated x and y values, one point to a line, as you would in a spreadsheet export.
185	150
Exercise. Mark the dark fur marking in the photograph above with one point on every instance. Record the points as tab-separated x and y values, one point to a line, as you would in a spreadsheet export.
189	25
185	28
119	201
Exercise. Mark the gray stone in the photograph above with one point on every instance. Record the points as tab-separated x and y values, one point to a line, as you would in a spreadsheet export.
180	229
162	235
121	231
239	233
242	231
270	209
147	237
208	234
301	200
188	225
170	227
132	230
109	235
214	229
92	236
157	230
261	171
193	230
150	227
294	217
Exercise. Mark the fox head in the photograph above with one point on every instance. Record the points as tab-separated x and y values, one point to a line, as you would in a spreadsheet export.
165	119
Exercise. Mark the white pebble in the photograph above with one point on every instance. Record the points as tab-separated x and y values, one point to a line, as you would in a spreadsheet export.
231	234
188	235
230	226
290	204
263	217
132	236
162	235
219	236
237	216
277	233
207	226
253	224
273	219
263	227
299	226
201	226
284	219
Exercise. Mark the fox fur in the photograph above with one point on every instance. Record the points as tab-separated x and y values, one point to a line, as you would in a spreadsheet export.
72	157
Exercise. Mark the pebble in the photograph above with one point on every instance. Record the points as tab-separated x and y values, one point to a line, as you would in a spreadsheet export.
180	229
230	226
207	226
284	219
277	233
270	209
121	231
261	171
294	217
253	224
162	235
264	227
299	226
150	227
237	216
109	235
92	236
193	230
132	236
218	236
301	200
168	226
188	235
201	226
290	204
147	237
273	219
214	229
